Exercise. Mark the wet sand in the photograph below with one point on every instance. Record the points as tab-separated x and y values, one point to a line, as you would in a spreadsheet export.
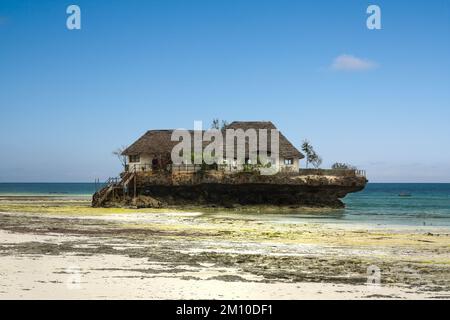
60	248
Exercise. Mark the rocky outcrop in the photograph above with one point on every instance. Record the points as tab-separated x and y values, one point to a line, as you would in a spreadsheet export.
146	202
247	188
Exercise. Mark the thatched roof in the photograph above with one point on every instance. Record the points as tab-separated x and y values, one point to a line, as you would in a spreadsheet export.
152	142
287	149
159	141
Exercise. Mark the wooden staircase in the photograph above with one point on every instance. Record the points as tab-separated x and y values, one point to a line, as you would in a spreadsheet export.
128	178
101	196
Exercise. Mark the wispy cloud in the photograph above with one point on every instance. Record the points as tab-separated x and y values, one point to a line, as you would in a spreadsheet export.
347	62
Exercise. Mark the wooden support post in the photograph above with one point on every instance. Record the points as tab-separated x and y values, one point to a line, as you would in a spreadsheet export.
134	194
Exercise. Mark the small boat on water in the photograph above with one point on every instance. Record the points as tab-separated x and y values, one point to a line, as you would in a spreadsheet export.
404	194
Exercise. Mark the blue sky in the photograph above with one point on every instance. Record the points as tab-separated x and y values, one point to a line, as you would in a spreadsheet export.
68	98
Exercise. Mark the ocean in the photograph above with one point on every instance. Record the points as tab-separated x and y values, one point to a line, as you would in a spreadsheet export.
379	203
424	204
48	189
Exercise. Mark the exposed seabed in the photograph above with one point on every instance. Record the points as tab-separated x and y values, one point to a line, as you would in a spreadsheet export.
60	247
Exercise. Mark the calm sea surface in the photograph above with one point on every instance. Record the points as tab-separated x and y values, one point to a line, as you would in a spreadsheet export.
378	203
47	189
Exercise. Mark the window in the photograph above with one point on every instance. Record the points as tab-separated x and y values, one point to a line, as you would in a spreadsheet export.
135	158
289	162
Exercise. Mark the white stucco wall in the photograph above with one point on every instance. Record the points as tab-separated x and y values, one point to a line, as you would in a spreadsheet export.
294	167
146	162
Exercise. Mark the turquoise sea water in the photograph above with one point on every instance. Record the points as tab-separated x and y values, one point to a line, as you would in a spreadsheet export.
427	203
378	203
48	189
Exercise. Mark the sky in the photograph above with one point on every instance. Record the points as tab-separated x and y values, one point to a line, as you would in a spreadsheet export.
377	99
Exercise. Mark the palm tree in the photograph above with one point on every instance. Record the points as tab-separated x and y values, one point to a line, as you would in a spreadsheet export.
311	155
307	148
224	124
316	161
219	125
215	124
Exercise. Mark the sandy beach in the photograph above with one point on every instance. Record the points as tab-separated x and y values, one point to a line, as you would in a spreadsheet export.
60	248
